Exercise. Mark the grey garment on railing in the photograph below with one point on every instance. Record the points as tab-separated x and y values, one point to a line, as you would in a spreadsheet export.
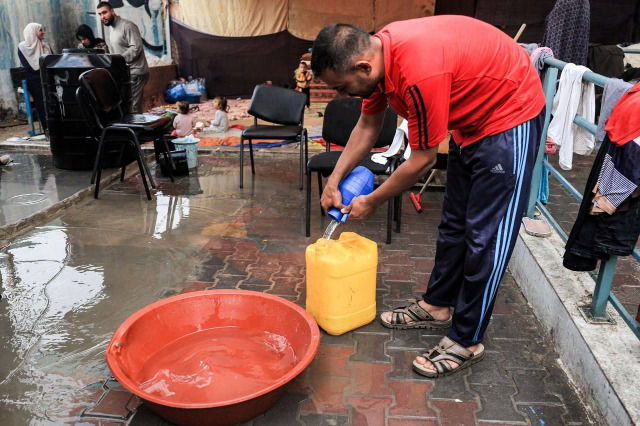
613	91
538	60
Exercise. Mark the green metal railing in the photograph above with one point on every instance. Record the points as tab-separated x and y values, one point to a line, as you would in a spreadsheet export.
602	290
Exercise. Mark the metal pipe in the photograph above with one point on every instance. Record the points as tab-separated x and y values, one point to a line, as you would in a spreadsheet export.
549	86
563	181
591	76
603	287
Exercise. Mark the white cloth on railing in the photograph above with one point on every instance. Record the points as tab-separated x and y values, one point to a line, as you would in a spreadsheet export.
613	91
573	98
398	141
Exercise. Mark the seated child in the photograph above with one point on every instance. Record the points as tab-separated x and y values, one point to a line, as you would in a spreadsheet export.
183	123
220	122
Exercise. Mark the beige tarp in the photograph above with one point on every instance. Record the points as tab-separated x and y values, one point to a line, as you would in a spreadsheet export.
308	17
387	11
235	18
303	18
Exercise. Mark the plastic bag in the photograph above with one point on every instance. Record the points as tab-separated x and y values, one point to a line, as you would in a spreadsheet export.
176	93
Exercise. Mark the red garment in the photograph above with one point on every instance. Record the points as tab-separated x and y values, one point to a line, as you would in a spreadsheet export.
455	73
623	124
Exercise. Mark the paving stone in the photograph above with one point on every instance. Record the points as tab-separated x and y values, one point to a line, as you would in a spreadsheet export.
285	286
543	414
411	399
369	379
531	388
401	362
395	257
489	371
327	395
455	413
374	326
400	291
331	361
253	287
519	355
496	403
406	339
324	420
512	327
117	403
396	272
145	417
367	411
284	412
341	340
370	347
224	281
197	286
558	384
393	421
452	387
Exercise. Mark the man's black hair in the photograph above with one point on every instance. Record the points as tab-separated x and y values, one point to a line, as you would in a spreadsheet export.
104	4
335	47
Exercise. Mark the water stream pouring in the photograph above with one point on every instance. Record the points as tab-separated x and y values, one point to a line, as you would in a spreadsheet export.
359	182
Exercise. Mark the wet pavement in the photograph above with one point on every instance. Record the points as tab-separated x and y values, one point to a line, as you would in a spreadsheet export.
30	184
564	208
69	284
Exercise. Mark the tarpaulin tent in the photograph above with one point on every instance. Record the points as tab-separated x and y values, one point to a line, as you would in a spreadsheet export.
236	44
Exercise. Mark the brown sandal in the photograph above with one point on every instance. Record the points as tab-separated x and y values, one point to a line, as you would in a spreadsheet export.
419	318
448	350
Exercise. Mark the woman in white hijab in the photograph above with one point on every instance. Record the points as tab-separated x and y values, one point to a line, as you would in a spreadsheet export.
29	52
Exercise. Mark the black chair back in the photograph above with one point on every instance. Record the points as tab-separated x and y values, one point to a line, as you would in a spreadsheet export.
88	112
341	116
277	105
102	92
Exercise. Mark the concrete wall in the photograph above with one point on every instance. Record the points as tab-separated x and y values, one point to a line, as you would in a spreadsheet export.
59	18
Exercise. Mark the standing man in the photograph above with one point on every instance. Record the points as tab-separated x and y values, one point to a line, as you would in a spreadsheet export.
125	39
444	73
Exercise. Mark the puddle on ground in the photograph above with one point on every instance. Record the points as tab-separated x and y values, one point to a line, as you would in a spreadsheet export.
68	286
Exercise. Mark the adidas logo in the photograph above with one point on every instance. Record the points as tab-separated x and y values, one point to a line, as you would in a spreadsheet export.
497	169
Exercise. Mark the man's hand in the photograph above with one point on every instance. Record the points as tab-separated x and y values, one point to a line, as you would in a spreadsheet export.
331	197
360	208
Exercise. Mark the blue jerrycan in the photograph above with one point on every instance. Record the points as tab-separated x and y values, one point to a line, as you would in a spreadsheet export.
359	182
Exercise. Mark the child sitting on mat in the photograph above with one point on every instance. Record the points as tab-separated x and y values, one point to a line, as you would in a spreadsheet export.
183	123
220	122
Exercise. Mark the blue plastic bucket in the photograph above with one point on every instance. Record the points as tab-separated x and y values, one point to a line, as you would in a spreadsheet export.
191	148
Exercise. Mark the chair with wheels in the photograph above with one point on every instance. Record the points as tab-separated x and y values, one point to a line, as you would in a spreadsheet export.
340	117
99	98
285	109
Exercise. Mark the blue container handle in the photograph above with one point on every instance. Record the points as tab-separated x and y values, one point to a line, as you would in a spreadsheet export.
359	182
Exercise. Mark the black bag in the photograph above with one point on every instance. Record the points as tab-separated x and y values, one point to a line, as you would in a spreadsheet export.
179	160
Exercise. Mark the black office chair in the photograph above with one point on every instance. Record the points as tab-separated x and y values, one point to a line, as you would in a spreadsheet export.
340	117
99	99
285	108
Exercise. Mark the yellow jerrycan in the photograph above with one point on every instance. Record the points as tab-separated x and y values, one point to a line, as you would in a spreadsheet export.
341	282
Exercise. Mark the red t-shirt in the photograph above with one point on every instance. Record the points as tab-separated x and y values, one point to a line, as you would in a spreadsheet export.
455	73
623	125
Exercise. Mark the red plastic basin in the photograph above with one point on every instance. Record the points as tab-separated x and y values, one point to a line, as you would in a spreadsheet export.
216	357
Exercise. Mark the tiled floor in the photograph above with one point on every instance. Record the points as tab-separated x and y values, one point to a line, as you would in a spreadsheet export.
205	233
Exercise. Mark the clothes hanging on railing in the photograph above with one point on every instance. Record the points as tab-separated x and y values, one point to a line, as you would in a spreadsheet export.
572	98
613	91
567	30
597	236
538	56
624	123
611	225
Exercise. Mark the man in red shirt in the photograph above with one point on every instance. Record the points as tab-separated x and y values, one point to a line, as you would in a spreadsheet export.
444	73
